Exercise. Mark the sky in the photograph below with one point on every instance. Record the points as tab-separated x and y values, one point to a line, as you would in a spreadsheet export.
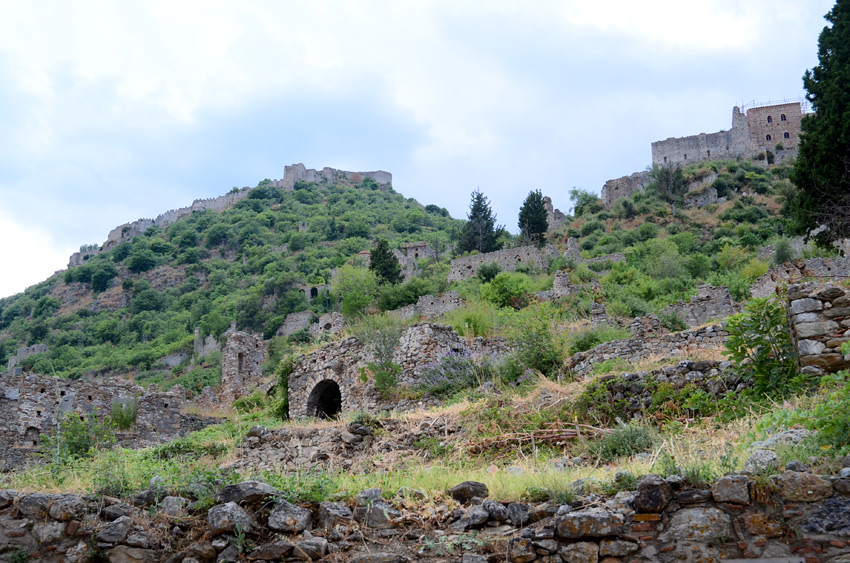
114	111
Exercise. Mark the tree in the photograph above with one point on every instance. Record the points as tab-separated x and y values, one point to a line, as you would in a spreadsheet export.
584	202
822	170
669	183
533	223
479	232
355	288
384	264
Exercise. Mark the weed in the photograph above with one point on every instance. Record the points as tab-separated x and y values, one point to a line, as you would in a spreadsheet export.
625	440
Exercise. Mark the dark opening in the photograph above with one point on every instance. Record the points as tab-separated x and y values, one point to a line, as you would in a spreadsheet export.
41	391
769	119
32	436
767	137
240	362
709	153
325	400
782	117
90	398
327	326
787	136
314	292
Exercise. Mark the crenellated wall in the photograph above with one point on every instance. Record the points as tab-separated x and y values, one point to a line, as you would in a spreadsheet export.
300	173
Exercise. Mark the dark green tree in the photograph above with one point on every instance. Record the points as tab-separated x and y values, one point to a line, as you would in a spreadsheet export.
384	264
822	170
669	183
480	231
533	223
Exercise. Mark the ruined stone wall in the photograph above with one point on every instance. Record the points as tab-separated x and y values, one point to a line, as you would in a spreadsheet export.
801	269
203	347
328	324
709	303
30	405
781	123
343	364
697	148
624	187
418	250
554	217
295	322
25	352
509	260
818	319
632	350
430	306
241	363
300	173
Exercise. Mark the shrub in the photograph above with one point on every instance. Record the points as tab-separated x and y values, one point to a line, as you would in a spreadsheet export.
626	440
256	400
760	346
124	413
672	322
784	252
78	437
486	272
282	373
536	341
587	339
507	289
452	373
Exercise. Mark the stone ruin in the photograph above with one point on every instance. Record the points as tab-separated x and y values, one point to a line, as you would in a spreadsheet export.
25	352
509	260
295	322
241	363
554	217
300	173
818	318
335	378
430	306
330	324
418	250
709	303
784	274
31	404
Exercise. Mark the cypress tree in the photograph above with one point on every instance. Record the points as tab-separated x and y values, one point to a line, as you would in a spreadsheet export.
533	223
479	232
384	264
822	170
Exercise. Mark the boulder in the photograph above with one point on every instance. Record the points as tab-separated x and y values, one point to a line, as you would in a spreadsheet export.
35	506
380	557
832	517
67	507
379	515
174	507
732	488
518	513
116	530
124	554
273	552
468	490
245	492
521	550
616	548
369	496
7	497
496	510
290	518
310	549
698	524
802	487
761	461
653	494
227	517
590	523
333	513
579	552
48	532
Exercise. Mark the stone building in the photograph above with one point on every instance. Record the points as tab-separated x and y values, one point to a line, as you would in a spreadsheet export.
509	260
418	250
241	363
30	406
300	173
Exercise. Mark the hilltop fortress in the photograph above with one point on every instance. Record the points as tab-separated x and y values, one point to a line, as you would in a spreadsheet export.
774	128
291	175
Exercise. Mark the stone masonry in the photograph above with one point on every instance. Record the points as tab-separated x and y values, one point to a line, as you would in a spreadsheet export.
709	303
342	366
30	405
801	269
624	187
430	306
679	344
509	260
25	352
295	322
329	324
300	173
818	318
241	363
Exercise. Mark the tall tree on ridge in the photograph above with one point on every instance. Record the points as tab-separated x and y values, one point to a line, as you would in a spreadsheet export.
533	223
480	231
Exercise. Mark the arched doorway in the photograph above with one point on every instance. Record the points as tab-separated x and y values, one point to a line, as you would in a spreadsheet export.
32	437
325	400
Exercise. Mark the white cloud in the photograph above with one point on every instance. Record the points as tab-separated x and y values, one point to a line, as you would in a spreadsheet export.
29	255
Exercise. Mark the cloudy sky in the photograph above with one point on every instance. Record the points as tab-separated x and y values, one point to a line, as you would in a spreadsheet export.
112	111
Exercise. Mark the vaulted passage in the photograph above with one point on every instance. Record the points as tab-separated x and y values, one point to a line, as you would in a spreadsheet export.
325	400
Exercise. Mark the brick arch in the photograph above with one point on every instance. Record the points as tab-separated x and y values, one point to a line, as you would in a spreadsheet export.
326	398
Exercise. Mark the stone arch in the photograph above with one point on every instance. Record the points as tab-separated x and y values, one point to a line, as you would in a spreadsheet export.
325	399
32	437
314	292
